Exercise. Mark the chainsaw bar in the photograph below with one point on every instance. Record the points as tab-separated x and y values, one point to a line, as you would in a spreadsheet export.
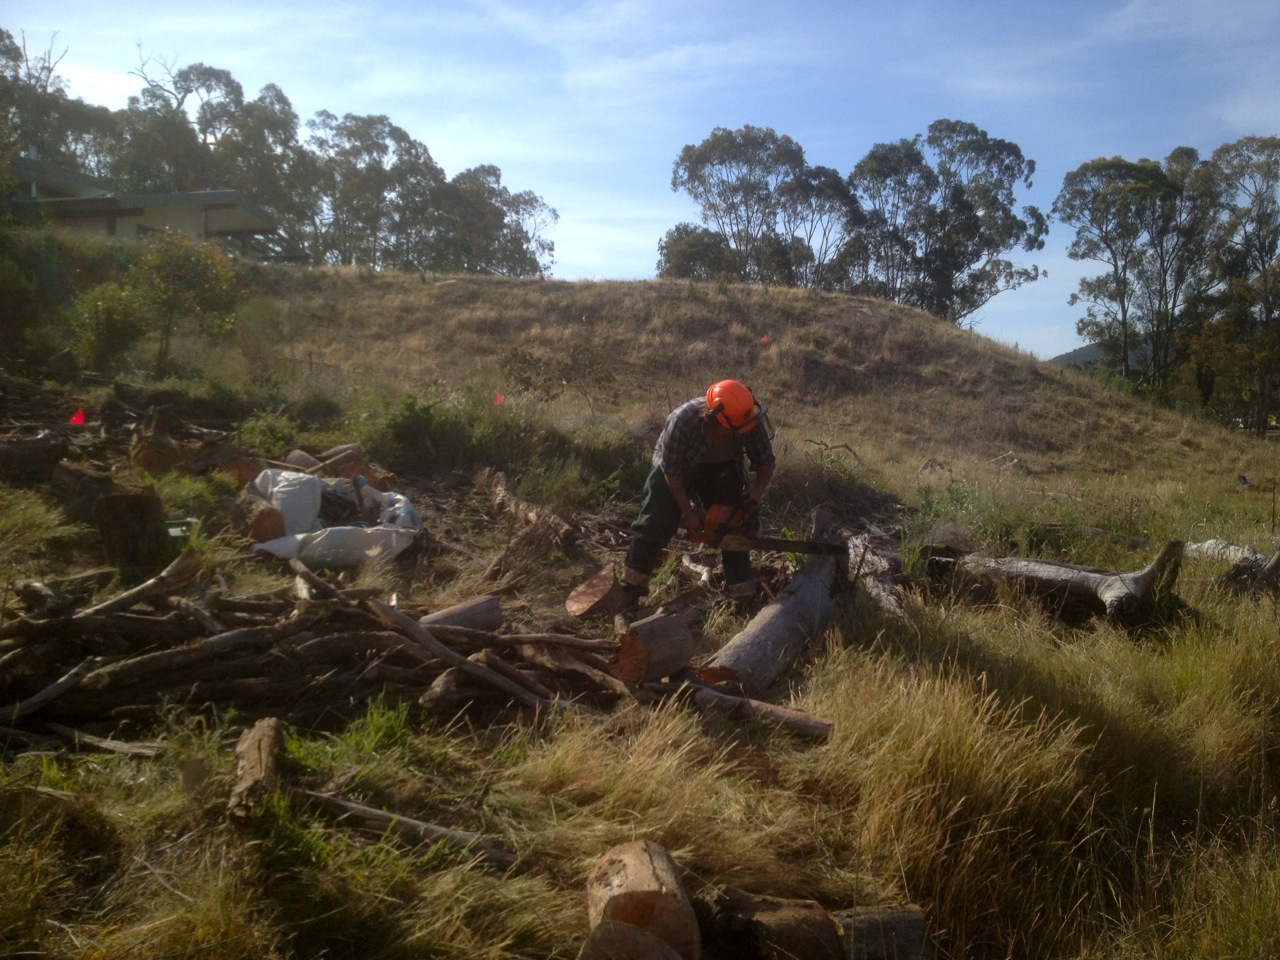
740	541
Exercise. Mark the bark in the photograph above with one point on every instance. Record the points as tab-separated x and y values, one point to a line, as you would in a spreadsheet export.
885	933
505	501
30	458
781	632
256	518
176	575
755	927
51	692
1122	597
639	883
709	699
258	754
615	940
480	613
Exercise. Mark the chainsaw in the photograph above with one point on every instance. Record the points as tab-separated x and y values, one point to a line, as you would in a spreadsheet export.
736	528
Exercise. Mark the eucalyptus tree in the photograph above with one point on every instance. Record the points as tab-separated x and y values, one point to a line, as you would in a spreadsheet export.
1104	200
735	177
1243	331
482	227
936	216
689	251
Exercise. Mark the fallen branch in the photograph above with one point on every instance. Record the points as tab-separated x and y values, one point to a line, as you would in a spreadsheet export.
415	831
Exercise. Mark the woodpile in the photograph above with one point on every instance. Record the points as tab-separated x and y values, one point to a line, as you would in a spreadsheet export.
314	655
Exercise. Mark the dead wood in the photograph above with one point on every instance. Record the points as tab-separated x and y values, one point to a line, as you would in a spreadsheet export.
710	699
258	754
1251	572
487	658
421	635
415	831
207	621
1123	597
479	613
233	641
651	648
489	639
60	686
600	595
255	518
564	664
885	933
757	927
615	940
504	500
639	883
30	458
176	575
316	585
343	646
134	533
780	633
81	739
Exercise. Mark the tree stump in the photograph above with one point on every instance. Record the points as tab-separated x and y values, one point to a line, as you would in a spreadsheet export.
257	767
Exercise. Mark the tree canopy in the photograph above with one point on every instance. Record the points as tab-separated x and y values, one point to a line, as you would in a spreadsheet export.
353	190
925	221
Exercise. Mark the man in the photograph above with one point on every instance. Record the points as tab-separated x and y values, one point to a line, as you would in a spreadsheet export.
698	461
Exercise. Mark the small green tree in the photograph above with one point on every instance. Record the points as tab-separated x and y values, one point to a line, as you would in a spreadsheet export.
181	278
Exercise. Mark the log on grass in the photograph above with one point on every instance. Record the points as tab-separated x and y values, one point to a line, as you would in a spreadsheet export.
185	568
763	927
779	634
258	754
505	501
1122	597
652	648
615	940
640	884
601	594
885	933
710	699
480	613
30	458
416	831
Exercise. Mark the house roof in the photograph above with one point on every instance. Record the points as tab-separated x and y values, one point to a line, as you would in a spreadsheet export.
60	194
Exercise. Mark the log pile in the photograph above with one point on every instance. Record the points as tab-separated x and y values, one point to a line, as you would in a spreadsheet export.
315	656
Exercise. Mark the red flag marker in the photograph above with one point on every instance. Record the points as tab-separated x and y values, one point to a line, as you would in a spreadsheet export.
77	417
497	399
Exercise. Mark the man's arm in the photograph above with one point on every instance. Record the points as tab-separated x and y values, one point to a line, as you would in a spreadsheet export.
757	490
688	511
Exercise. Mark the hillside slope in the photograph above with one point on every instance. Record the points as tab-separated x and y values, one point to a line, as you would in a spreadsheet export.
834	369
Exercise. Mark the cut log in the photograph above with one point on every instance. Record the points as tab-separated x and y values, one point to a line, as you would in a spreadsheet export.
639	883
256	518
81	739
481	613
1122	597
753	927
885	933
30	458
780	633
601	595
258	755
652	648
614	940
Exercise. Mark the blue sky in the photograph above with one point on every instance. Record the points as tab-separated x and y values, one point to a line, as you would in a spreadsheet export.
587	104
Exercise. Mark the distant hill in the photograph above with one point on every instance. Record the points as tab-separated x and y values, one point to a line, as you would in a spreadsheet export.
1079	356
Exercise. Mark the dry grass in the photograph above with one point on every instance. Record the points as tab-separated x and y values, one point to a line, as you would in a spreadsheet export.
1042	789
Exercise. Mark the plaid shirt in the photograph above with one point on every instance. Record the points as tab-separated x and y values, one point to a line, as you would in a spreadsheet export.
683	442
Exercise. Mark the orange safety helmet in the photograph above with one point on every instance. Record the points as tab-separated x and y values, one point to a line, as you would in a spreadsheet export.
733	405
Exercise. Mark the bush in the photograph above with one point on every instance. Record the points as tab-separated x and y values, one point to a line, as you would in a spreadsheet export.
17	306
107	323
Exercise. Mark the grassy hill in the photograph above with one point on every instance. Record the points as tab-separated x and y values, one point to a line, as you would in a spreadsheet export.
1041	789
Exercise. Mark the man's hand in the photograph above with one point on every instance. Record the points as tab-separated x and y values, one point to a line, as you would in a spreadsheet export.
694	528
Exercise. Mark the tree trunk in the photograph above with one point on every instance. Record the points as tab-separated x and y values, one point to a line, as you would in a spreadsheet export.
615	940
755	927
885	933
30	458
638	883
777	636
258	755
